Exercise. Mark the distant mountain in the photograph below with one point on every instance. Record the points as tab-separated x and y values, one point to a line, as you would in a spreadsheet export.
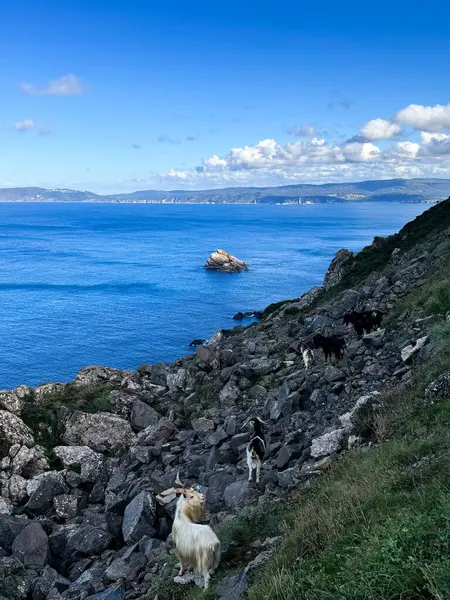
391	190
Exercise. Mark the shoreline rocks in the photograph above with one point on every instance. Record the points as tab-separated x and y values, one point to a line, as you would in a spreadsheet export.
222	261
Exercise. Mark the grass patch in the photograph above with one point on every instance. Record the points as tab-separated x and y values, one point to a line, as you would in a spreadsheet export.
42	417
432	298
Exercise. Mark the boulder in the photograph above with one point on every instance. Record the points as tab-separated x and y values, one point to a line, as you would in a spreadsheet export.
214	439
16	488
42	489
229	394
14	400
126	567
202	425
49	581
89	463
439	388
143	415
100	431
14	431
326	444
177	380
237	494
139	518
217	484
375	339
66	506
88	540
28	461
156	435
356	419
31	546
222	261
6	508
338	268
411	350
98	375
233	587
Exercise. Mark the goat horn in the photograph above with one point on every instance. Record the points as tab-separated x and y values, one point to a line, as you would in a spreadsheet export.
245	423
177	479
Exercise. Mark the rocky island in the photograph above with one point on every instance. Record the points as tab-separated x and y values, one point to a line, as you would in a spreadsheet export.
222	261
85	467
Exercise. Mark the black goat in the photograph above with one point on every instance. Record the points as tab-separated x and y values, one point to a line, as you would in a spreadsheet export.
364	322
333	345
256	448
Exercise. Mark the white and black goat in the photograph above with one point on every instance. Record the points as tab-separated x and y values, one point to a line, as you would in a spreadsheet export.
256	448
308	356
196	545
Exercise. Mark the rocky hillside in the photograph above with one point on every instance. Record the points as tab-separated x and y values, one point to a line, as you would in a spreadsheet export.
84	465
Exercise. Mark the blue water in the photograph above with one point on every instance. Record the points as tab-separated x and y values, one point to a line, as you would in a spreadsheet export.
121	285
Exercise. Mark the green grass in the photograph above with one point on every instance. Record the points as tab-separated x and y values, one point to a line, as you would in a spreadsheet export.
431	298
42	417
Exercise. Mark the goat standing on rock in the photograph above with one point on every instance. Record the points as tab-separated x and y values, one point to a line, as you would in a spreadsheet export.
308	356
256	448
197	546
364	322
333	345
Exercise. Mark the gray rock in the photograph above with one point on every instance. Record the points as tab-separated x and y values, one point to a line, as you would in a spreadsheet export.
6	508
288	453
156	435
115	593
326	444
216	487
139	518
237	494
233	587
14	431
338	268
408	352
98	375
356	419
81	457
89	540
66	506
29	461
333	374
229	394
216	438
202	425
49	580
375	339
10	528
100	431
47	487
13	401
439	388
177	380
143	415
31	546
238	440
126	567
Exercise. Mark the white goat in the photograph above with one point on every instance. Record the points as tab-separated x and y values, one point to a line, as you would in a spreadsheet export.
197	546
308	357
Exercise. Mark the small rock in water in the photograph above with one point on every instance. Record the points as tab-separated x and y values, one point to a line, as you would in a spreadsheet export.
222	261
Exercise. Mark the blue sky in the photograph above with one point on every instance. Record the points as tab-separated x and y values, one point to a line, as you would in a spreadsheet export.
112	96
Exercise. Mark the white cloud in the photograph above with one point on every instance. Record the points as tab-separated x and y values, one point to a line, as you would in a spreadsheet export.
68	85
406	149
431	119
434	144
23	126
380	129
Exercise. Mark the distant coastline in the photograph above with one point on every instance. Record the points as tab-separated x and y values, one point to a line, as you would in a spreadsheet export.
392	190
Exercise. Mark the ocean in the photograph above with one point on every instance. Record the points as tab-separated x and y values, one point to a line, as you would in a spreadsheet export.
123	284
